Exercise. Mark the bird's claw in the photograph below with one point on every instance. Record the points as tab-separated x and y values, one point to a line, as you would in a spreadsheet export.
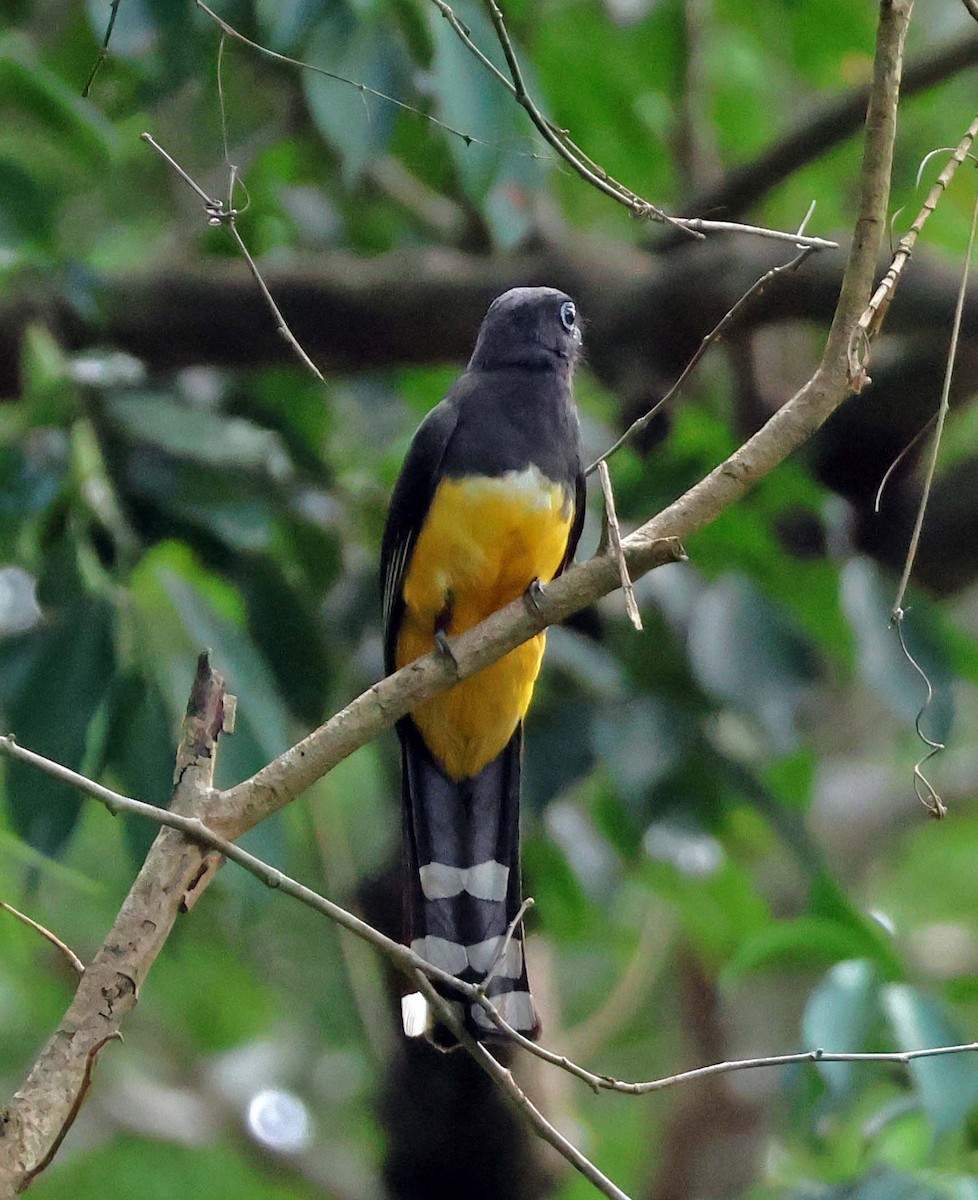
444	649
534	594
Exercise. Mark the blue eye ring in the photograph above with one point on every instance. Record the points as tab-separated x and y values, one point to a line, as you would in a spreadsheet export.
568	315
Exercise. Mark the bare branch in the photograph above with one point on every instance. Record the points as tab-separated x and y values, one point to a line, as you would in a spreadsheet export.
73	1111
218	214
413	966
504	1078
872	319
571	153
66	950
614	546
715	334
103	53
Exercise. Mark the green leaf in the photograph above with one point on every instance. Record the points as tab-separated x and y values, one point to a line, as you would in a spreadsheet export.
66	123
719	911
58	695
283	622
746	652
802	943
285	22
884	1183
208	438
232	505
180	609
127	1165
561	904
472	102
50	395
827	900
31	478
948	1084
838	1017
140	748
352	120
26	208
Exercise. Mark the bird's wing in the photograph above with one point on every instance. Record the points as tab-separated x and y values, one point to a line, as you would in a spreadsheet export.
580	510
408	509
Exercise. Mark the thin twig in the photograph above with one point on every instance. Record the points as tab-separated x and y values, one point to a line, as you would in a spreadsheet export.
103	53
972	7
887	475
871	320
512	1090
77	1102
590	171
67	951
557	138
553	136
410	963
925	790
500	954
943	409
697	224
363	88
219	214
614	546
715	334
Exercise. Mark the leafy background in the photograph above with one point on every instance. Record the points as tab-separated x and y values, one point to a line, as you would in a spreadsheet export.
721	833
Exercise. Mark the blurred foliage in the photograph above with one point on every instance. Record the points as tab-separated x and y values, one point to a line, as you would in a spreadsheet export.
737	778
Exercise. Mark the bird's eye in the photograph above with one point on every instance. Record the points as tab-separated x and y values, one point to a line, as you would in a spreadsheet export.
568	315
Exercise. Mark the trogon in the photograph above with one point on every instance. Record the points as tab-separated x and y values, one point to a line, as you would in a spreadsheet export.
488	506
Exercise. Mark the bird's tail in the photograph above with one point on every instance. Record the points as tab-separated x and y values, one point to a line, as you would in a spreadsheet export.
462	885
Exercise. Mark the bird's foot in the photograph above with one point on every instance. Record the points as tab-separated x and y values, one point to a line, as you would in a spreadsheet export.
444	649
534	594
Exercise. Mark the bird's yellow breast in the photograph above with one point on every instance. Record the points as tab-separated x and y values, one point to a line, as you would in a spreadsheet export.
483	542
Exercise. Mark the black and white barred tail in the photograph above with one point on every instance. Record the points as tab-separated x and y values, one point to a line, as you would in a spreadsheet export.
463	887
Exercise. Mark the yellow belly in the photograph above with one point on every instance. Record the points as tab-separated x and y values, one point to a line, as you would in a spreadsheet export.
483	543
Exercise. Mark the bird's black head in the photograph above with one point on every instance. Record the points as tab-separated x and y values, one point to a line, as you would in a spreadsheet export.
528	327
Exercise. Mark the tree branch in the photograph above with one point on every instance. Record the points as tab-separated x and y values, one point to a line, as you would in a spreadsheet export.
41	1108
108	989
355	314
422	973
411	964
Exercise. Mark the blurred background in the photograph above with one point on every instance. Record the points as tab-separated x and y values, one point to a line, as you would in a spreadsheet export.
720	830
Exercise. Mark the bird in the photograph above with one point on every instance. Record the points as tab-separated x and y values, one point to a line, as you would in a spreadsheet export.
488	506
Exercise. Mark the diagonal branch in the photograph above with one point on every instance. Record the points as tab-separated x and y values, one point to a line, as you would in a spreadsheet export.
872	319
108	989
656	542
413	966
590	171
55	941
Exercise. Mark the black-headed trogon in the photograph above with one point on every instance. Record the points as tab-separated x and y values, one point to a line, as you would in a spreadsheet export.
489	503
